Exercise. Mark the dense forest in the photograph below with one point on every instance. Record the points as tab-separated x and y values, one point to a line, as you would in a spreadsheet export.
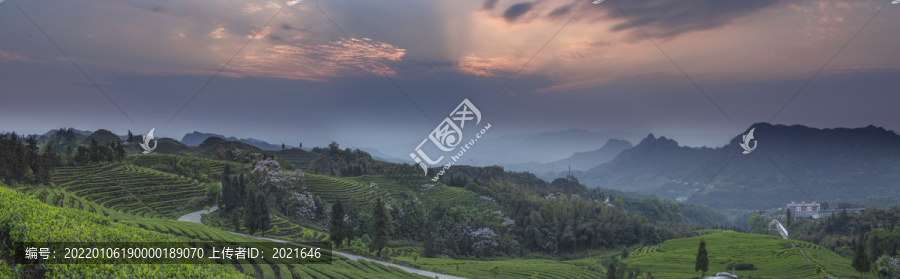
22	162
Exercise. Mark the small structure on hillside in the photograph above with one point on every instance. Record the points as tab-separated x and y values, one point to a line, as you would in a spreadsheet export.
803	210
814	210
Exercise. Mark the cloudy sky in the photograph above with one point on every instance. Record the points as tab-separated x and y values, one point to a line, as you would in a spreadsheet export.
382	73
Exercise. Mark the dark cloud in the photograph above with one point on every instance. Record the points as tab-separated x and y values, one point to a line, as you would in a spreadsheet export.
490	4
158	9
275	37
288	27
666	19
560	11
517	10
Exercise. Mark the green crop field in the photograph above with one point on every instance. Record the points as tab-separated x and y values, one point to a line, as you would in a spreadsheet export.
135	202
332	189
205	165
433	192
131	189
518	268
26	219
772	256
300	158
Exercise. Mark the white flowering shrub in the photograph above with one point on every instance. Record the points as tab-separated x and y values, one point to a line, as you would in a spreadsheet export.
271	177
887	266
483	239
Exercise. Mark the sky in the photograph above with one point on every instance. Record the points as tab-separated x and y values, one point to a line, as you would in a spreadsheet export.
385	73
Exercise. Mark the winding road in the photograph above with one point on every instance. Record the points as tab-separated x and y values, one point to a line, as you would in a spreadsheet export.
195	218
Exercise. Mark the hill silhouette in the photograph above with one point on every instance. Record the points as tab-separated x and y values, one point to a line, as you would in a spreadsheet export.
790	163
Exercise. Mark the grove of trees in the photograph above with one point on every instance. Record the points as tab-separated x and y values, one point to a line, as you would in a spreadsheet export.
22	162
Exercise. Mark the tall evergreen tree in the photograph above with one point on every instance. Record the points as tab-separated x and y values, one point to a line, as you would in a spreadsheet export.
861	260
262	213
250	220
96	155
702	262
130	137
19	166
336	227
611	271
788	221
120	150
227	201
379	228
235	222
34	165
4	153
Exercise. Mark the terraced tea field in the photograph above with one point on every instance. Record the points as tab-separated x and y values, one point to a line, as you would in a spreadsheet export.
300	158
507	268
341	267
772	256
436	192
131	189
332	189
206	165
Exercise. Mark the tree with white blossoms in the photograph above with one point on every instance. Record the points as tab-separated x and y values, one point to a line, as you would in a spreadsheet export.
483	240
302	206
271	178
244	156
887	266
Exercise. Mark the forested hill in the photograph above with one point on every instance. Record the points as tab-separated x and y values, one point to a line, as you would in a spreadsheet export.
796	162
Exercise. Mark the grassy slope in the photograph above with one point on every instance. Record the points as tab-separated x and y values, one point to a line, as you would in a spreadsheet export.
518	268
28	219
85	177
128	188
300	158
772	256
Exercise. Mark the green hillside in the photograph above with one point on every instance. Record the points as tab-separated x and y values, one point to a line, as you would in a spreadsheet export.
773	257
25	218
150	229
140	200
300	158
131	189
103	137
65	141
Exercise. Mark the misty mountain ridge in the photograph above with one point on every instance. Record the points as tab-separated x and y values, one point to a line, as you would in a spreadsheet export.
790	163
196	138
579	161
529	148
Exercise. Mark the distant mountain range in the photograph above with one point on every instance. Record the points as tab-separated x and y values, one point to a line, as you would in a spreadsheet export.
196	138
524	149
579	161
791	163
